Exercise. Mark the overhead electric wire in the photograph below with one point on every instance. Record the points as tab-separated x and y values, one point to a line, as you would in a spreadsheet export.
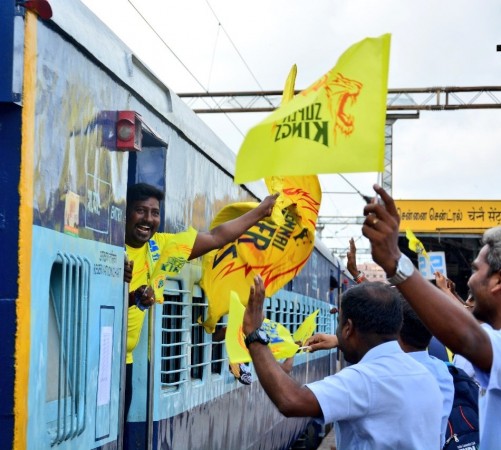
179	60
213	57
152	28
236	49
353	186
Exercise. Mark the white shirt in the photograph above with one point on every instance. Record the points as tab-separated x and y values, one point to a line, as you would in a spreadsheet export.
440	372
462	363
489	400
386	401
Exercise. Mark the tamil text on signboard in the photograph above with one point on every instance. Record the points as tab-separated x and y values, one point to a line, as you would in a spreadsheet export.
448	216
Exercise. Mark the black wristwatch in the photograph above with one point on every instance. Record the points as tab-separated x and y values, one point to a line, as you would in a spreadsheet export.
258	335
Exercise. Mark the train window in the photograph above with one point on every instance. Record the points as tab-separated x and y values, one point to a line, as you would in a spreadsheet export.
217	349
67	347
283	314
299	316
275	309
198	335
290	316
174	351
268	310
324	319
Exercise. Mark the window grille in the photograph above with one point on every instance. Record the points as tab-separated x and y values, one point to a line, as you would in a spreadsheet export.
217	351
174	351
291	316
67	347
275	308
199	340
298	317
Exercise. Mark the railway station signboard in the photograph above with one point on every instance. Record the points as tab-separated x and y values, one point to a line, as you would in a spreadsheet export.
448	216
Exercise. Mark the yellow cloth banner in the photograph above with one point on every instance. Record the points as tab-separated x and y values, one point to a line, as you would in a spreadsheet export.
307	328
277	253
276	249
335	125
415	244
281	343
172	259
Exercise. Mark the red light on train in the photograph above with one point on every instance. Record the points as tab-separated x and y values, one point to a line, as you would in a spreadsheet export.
129	131
40	7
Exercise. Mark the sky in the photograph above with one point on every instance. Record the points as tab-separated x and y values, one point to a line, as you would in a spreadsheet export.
223	45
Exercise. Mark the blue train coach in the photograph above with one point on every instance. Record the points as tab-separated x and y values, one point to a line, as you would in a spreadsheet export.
76	106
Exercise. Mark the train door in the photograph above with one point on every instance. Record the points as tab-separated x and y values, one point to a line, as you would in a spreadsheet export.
147	166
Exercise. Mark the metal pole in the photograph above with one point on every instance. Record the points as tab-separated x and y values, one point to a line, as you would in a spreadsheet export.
121	404
151	375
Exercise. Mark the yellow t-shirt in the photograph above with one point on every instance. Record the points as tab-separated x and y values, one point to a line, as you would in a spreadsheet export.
150	262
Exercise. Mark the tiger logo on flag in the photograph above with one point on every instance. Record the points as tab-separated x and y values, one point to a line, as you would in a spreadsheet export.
341	92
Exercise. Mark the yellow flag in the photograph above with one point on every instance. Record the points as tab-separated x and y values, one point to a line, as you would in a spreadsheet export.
336	125
277	253
307	328
290	84
172	259
276	249
415	244
281	342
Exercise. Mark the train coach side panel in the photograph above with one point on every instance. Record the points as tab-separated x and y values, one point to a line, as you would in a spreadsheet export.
76	304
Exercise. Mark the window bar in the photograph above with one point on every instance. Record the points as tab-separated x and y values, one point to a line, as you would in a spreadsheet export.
67	347
83	324
62	328
73	311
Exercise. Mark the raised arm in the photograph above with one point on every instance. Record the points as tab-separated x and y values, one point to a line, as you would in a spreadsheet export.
446	319
351	264
231	230
292	399
351	259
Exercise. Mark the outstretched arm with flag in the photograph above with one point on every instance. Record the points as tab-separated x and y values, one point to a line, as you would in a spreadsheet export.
277	253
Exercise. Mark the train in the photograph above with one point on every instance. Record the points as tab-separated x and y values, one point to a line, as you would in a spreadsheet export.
81	118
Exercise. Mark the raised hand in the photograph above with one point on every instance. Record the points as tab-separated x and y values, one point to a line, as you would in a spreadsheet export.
381	228
321	341
253	317
351	259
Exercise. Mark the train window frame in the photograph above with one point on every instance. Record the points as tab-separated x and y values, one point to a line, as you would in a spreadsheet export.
67	326
299	316
284	311
199	344
268	308
174	356
274	307
218	355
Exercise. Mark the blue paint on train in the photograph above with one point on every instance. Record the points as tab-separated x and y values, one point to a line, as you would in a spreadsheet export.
87	392
10	124
7	9
7	333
